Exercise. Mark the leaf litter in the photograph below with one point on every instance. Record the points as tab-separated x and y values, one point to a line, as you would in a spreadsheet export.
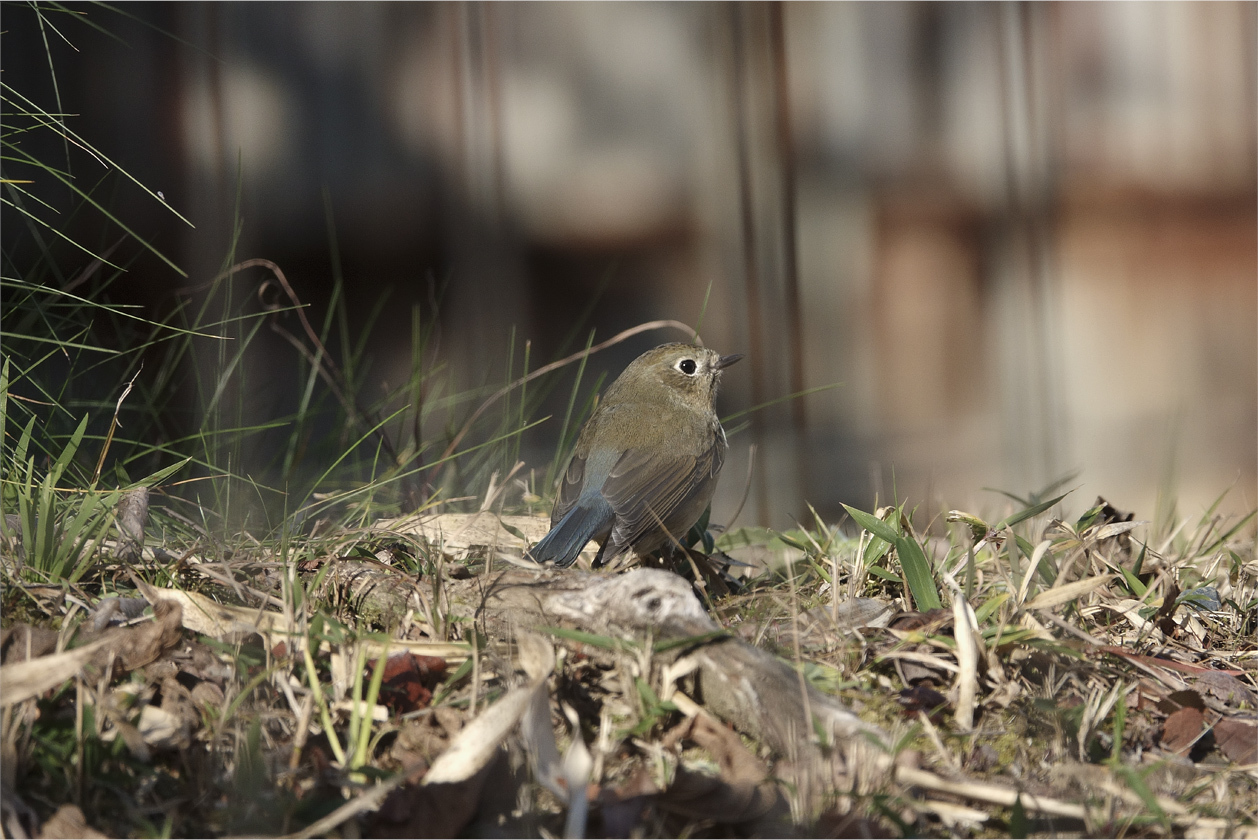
1063	678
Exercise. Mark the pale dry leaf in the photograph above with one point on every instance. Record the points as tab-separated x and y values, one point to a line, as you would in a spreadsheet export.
577	764
984	792
1113	529
1032	567
474	746
462	534
1067	592
133	646
163	730
67	822
964	626
209	618
24	680
1127	608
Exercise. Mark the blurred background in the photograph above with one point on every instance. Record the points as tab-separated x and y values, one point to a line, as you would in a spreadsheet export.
1022	239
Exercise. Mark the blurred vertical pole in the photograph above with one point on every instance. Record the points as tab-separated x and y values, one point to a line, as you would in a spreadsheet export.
474	109
751	257
483	300
480	98
790	270
491	26
456	21
1028	174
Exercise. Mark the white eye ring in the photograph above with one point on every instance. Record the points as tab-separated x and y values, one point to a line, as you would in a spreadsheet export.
687	366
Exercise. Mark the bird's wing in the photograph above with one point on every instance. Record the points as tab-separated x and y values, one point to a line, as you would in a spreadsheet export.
570	487
646	488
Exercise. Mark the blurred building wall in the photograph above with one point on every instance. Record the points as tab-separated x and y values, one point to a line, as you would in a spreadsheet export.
1021	237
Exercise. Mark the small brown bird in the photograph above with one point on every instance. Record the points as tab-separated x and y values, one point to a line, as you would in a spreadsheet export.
646	461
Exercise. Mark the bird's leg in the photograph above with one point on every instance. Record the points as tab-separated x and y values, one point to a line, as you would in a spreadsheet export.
598	558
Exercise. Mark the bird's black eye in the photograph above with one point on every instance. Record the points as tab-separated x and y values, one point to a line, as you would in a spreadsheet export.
687	366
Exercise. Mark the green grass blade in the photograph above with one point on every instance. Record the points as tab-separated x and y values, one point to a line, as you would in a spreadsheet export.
917	573
1027	513
592	639
67	453
1214	546
873	524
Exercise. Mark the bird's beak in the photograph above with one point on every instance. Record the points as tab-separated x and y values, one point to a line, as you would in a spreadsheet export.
726	361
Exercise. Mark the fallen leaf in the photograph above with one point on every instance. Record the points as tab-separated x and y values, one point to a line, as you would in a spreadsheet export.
1225	687
1237	739
1177	700
922	698
141	644
134	646
1181	730
210	618
464	534
27	679
1183	667
1067	592
67	822
742	793
479	741
409	680
857	612
22	643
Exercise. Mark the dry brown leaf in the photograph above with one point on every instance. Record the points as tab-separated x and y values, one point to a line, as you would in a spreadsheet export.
1181	730
22	642
133	511
447	798
1237	739
207	695
1224	687
134	647
742	793
409	681
141	644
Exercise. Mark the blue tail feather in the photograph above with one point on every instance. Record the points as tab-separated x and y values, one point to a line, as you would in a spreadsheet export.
585	521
